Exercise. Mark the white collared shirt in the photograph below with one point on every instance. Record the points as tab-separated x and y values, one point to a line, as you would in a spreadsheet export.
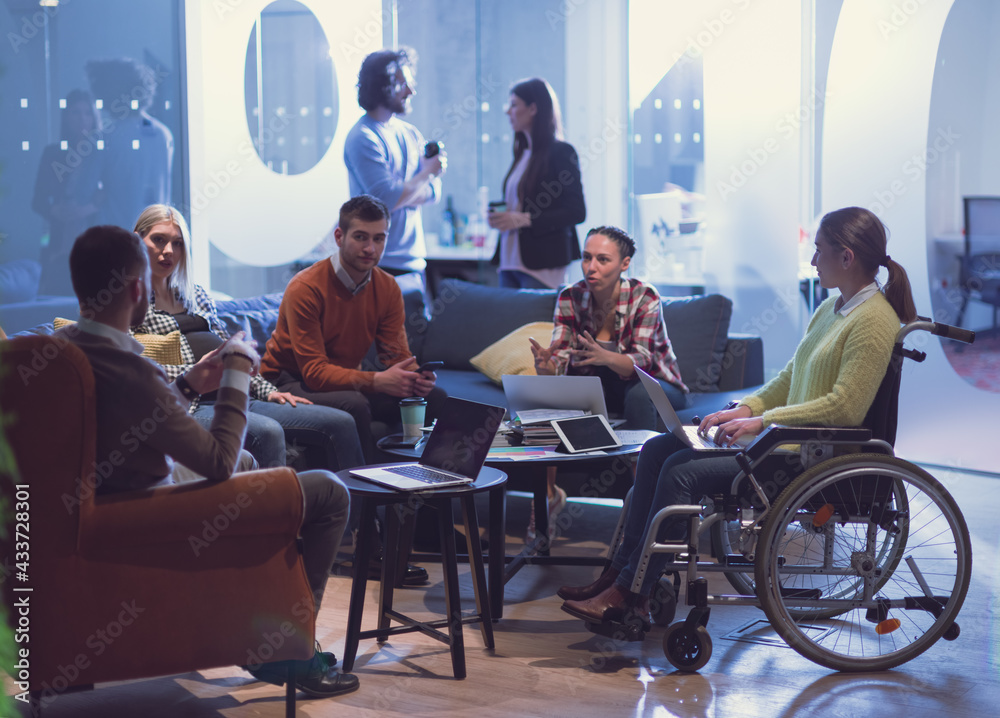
120	339
344	277
858	299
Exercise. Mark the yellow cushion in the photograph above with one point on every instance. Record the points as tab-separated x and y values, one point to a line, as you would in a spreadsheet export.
161	348
512	354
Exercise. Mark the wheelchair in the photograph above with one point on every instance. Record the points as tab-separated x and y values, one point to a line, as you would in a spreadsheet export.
860	563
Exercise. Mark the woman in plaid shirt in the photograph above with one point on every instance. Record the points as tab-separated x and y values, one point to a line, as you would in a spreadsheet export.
180	304
606	325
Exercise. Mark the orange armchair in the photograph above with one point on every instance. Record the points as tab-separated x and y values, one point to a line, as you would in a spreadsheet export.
145	583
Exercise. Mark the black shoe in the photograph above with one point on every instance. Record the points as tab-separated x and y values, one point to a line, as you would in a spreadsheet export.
312	677
413	576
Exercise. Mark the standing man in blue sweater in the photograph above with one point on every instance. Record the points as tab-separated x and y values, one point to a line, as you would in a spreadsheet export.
385	156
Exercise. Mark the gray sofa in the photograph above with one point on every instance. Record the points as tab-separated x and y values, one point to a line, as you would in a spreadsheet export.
21	306
466	318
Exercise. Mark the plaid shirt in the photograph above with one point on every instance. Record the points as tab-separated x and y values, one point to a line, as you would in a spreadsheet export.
159	322
639	330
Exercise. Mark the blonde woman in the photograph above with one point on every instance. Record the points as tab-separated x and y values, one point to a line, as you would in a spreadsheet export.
180	304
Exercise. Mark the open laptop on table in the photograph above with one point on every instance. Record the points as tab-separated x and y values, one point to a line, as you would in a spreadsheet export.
688	434
454	452
558	395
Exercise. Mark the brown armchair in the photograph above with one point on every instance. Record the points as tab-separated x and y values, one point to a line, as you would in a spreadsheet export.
145	583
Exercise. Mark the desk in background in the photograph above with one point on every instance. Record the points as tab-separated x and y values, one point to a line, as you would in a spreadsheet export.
471	264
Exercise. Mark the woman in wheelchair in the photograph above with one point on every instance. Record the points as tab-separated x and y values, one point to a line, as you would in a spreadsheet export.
831	381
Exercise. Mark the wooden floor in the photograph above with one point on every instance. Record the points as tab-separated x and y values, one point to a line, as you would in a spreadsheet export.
545	663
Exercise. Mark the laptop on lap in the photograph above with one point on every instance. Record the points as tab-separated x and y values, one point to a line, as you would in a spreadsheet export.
688	434
454	452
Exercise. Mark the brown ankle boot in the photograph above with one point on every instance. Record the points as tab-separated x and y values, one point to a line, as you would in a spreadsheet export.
613	605
582	593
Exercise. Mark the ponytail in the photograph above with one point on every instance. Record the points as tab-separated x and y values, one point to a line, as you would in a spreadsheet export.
897	291
862	232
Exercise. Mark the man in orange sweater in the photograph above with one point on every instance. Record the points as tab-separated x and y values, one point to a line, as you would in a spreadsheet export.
329	317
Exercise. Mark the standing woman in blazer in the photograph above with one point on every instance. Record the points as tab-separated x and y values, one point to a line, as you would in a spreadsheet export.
543	193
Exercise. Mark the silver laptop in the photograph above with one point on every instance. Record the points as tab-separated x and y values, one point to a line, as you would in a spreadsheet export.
688	434
454	452
562	396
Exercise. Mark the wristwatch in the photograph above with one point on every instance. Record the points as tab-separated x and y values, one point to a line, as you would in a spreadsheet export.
186	389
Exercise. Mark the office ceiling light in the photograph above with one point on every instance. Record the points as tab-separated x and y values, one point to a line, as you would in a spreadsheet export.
48	3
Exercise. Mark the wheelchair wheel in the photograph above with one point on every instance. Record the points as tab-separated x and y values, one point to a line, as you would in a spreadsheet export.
687	649
725	542
828	570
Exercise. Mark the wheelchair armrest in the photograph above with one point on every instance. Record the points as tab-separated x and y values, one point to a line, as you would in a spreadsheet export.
775	435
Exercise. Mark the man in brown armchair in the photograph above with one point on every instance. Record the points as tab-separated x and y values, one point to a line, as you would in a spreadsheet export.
143	426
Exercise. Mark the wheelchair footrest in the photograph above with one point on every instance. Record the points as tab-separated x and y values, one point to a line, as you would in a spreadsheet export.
618	631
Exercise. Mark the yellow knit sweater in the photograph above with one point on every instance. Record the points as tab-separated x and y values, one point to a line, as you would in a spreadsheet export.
836	371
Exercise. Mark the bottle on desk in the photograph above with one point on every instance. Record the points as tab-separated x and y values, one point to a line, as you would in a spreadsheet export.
477	223
449	235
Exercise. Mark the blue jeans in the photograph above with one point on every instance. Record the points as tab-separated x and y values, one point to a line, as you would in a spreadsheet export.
328	432
670	473
516	279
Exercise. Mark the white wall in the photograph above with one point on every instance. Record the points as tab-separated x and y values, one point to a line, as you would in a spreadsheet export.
882	70
596	109
752	151
233	194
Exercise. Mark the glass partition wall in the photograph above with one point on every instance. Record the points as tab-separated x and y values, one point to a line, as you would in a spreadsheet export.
96	92
92	110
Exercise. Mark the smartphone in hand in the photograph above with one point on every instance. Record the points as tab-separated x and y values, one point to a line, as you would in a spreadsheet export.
430	366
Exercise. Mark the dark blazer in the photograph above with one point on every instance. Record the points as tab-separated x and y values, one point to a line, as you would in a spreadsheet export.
556	207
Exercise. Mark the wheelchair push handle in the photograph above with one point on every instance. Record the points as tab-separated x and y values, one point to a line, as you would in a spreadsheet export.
956	333
938	329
